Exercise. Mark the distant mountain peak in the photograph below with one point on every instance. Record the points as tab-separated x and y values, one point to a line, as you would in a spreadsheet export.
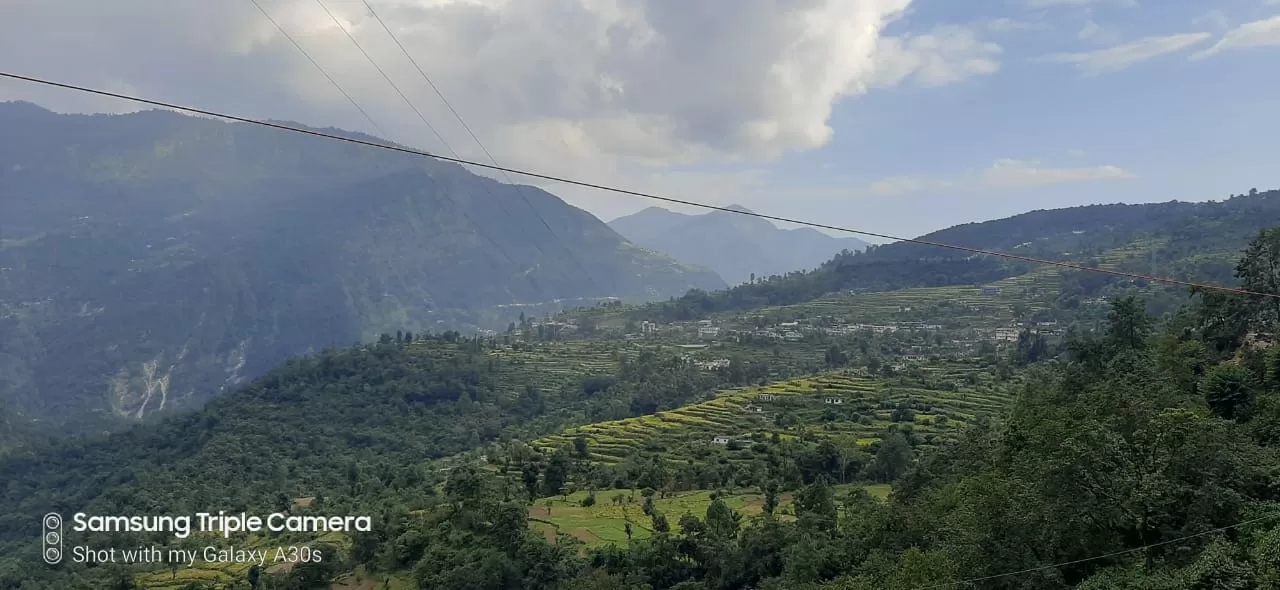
736	246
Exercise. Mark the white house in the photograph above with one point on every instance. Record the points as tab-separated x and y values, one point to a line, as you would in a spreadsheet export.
835	401
720	440
766	397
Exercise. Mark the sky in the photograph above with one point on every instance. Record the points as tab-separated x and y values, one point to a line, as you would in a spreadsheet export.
893	116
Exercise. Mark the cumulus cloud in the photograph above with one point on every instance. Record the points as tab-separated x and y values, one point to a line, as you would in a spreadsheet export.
604	89
1260	33
1119	57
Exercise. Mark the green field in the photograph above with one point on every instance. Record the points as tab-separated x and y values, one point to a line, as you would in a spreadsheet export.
605	522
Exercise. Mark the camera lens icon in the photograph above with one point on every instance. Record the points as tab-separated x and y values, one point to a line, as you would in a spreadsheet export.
52	538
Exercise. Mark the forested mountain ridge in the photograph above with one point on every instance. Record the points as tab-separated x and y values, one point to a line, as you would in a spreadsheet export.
738	247
148	260
1189	241
1140	456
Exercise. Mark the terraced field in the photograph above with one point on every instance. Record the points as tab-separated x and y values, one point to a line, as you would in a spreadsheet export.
832	405
547	365
605	522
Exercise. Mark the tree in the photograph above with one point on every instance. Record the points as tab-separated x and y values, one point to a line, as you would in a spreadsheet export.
1128	325
529	471
660	523
816	506
580	447
892	458
836	357
770	497
557	472
1259	271
722	521
1228	390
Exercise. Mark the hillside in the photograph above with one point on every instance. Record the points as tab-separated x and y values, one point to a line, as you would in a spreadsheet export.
1185	240
737	247
512	463
150	260
355	426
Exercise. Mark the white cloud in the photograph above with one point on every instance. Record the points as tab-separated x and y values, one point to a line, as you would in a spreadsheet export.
946	55
1260	33
1003	174
1094	32
1053	3
1214	18
1008	173
1008	25
605	88
903	185
1119	57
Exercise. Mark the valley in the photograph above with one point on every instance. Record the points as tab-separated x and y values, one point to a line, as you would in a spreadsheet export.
813	417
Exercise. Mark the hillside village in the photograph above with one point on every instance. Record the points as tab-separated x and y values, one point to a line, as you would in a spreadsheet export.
927	328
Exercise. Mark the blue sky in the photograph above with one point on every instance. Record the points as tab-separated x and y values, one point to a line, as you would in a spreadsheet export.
895	116
1183	129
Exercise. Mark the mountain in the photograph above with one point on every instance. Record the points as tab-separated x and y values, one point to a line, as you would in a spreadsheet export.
149	260
1186	241
735	246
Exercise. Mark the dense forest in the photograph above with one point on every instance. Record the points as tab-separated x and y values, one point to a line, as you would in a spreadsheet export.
1145	455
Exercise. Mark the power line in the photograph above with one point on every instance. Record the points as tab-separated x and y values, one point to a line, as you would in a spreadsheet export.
322	71
474	137
375	65
446	145
1097	557
622	191
499	249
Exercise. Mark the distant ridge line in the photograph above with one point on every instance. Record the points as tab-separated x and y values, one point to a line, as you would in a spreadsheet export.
563	180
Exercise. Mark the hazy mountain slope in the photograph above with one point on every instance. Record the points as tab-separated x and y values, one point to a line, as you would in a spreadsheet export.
1185	240
735	246
150	259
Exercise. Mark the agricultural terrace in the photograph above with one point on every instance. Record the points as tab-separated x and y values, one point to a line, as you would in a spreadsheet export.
552	365
838	406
